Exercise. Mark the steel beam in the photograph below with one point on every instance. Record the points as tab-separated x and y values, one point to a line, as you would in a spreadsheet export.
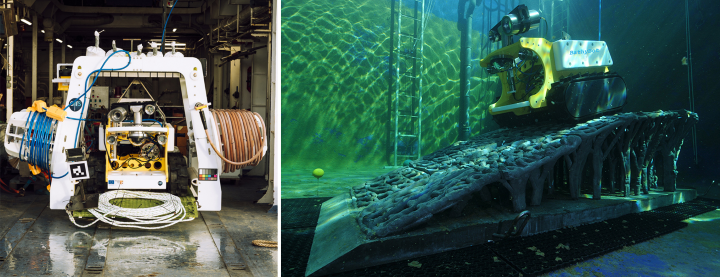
9	105
34	58
235	77
217	82
62	52
50	73
271	112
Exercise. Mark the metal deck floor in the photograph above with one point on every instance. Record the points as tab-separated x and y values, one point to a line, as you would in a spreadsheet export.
38	241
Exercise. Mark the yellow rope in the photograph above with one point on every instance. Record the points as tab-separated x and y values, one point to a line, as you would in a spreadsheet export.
265	243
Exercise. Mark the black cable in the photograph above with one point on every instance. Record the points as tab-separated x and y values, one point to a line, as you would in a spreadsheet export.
531	66
527	79
140	162
153	139
110	160
709	187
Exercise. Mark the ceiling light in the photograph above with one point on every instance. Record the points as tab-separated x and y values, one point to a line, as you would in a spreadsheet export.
69	46
58	40
174	29
25	21
43	31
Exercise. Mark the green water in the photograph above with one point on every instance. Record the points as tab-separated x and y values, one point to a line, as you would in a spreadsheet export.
336	103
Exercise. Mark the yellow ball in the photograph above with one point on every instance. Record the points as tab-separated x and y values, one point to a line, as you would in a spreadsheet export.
318	172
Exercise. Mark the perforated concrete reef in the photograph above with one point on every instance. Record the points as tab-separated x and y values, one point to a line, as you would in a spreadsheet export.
628	151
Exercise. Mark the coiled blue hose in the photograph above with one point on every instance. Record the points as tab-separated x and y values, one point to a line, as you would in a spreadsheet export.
82	108
42	130
153	120
92	142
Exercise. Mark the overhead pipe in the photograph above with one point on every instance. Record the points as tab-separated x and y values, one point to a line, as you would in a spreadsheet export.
85	20
198	19
217	46
122	10
240	54
49	27
176	20
465	15
242	19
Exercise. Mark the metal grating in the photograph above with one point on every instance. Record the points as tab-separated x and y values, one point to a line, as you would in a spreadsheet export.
301	212
517	256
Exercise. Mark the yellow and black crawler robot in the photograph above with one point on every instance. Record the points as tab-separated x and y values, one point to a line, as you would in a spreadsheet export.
565	80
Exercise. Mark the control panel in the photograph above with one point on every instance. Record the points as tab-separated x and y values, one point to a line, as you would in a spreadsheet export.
99	98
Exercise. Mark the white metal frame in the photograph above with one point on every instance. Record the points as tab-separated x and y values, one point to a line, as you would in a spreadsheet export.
189	71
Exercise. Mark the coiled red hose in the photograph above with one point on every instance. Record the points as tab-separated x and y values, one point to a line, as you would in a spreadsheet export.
7	188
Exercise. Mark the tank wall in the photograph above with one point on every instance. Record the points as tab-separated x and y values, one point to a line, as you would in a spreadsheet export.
337	73
647	40
337	93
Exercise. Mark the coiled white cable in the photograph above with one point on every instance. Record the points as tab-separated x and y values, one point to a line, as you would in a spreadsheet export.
167	214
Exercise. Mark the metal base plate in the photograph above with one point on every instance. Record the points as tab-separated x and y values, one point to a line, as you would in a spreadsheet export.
77	203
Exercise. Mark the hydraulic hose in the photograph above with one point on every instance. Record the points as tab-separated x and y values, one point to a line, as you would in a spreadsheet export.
162	42
243	138
7	188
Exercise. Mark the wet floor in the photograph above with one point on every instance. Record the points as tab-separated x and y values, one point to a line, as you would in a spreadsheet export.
38	241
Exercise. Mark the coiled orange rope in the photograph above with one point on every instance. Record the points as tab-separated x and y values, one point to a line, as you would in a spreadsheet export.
265	243
243	137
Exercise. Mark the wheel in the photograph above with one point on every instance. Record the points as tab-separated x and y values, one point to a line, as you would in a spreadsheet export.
96	168
179	185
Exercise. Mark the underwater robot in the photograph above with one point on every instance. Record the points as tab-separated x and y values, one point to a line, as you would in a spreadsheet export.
564	80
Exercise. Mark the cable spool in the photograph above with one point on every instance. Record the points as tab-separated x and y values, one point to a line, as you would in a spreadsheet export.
36	145
243	138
